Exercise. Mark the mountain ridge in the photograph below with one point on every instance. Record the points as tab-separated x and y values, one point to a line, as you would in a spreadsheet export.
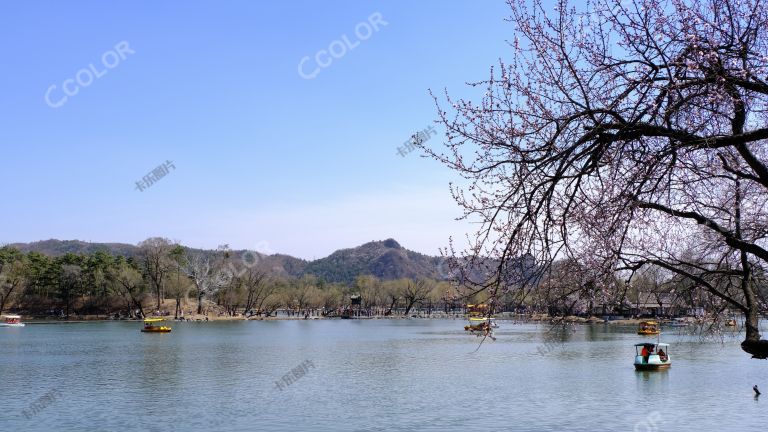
385	259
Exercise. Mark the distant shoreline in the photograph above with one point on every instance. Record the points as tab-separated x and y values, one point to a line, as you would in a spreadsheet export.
536	319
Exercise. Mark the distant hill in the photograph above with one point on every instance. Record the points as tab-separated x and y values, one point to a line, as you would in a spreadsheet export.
385	259
60	247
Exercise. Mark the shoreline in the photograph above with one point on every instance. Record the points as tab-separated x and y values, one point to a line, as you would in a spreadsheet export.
535	319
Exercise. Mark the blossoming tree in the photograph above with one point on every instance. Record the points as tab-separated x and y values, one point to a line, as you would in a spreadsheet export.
622	135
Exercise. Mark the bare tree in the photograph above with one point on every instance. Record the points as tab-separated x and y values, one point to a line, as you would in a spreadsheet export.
231	294
257	289
303	295
370	290
156	264
206	274
392	294
414	292
622	135
130	285
332	297
178	283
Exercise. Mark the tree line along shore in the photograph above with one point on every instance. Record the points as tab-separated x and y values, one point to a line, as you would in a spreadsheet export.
168	279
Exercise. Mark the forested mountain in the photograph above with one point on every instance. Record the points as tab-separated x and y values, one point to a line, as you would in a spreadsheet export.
386	260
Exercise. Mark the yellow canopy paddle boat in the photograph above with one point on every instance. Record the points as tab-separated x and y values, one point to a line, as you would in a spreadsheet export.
648	328
479	321
150	327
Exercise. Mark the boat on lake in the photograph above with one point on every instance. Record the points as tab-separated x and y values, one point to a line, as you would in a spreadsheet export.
11	321
677	322
648	328
479	319
150	327
651	356
481	324
730	322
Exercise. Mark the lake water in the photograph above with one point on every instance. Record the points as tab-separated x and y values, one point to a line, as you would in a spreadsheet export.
367	375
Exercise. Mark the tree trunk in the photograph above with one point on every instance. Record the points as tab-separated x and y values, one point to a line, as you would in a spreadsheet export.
408	307
391	305
178	308
140	308
752	343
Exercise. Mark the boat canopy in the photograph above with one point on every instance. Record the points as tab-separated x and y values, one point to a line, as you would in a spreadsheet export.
652	344
151	320
11	316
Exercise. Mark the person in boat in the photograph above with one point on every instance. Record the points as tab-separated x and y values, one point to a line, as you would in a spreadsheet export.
646	352
662	355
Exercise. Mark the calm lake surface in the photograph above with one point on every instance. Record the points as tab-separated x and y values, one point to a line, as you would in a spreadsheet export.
369	375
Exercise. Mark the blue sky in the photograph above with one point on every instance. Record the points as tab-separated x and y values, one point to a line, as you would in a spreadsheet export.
264	159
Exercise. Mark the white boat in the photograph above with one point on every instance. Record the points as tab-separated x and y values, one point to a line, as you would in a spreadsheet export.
652	356
11	321
677	322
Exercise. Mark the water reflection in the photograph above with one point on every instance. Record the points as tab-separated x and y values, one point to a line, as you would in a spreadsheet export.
160	361
650	383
